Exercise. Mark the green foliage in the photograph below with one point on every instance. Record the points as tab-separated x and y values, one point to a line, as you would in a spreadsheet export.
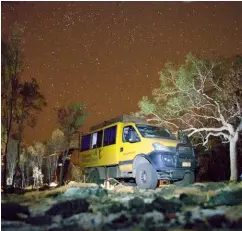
147	106
189	94
29	101
70	119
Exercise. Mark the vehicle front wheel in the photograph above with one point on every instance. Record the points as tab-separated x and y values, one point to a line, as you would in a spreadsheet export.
146	176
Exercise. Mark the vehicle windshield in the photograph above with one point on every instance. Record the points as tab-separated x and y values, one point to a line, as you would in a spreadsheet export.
149	131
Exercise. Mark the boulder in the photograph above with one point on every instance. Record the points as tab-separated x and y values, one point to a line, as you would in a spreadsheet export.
13	211
226	198
68	208
165	206
86	192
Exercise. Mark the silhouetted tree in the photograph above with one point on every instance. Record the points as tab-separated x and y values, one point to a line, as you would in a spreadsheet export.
30	100
19	100
202	96
11	68
70	119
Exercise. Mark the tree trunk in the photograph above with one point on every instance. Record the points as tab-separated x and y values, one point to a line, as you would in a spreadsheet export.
233	158
4	182
63	162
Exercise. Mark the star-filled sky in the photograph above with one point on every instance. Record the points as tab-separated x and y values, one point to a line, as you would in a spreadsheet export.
108	54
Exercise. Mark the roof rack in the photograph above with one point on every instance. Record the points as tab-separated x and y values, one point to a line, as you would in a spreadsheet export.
122	118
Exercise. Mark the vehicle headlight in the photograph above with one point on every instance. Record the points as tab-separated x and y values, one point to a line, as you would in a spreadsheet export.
169	161
160	147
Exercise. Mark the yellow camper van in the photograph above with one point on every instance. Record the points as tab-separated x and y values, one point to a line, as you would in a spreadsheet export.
128	147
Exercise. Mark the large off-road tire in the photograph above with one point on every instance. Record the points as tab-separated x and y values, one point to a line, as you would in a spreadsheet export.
93	176
146	176
189	178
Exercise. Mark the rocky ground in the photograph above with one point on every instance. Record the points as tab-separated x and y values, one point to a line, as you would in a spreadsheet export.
201	206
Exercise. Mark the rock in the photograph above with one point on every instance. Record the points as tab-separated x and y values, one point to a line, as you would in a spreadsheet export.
12	211
152	220
213	186
191	199
87	221
116	207
165	206
76	192
226	198
234	213
219	221
39	220
165	190
238	224
110	207
68	208
12	224
56	228
197	225
118	221
137	205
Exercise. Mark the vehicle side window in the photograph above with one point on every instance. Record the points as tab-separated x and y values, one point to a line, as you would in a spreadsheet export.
128	131
110	136
85	143
97	139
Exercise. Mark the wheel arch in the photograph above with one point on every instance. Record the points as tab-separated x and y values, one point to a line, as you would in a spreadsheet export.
140	159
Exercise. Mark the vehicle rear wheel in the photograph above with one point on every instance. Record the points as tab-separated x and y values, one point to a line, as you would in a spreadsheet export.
146	176
93	176
189	178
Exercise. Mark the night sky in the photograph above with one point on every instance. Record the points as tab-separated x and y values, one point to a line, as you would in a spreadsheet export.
108	54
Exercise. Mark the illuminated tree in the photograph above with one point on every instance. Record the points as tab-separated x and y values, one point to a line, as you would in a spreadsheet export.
12	158
55	145
37	152
204	97
70	119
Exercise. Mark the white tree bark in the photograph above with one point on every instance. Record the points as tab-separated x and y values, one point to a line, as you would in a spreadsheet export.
12	159
233	157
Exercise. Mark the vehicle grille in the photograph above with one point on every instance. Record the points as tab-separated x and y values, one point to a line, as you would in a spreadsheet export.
185	152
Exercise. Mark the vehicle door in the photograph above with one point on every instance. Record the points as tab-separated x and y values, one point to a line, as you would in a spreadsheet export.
129	147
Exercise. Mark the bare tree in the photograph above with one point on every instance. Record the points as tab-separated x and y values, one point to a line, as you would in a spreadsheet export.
204	97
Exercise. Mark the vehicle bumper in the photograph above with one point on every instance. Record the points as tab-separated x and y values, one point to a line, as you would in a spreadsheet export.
172	175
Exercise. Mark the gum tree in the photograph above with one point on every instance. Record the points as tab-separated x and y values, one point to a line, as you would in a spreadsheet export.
203	97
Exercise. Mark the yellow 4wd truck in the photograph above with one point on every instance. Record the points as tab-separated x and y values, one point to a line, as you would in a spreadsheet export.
128	147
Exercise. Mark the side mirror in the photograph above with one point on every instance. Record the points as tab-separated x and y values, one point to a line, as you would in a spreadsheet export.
133	137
